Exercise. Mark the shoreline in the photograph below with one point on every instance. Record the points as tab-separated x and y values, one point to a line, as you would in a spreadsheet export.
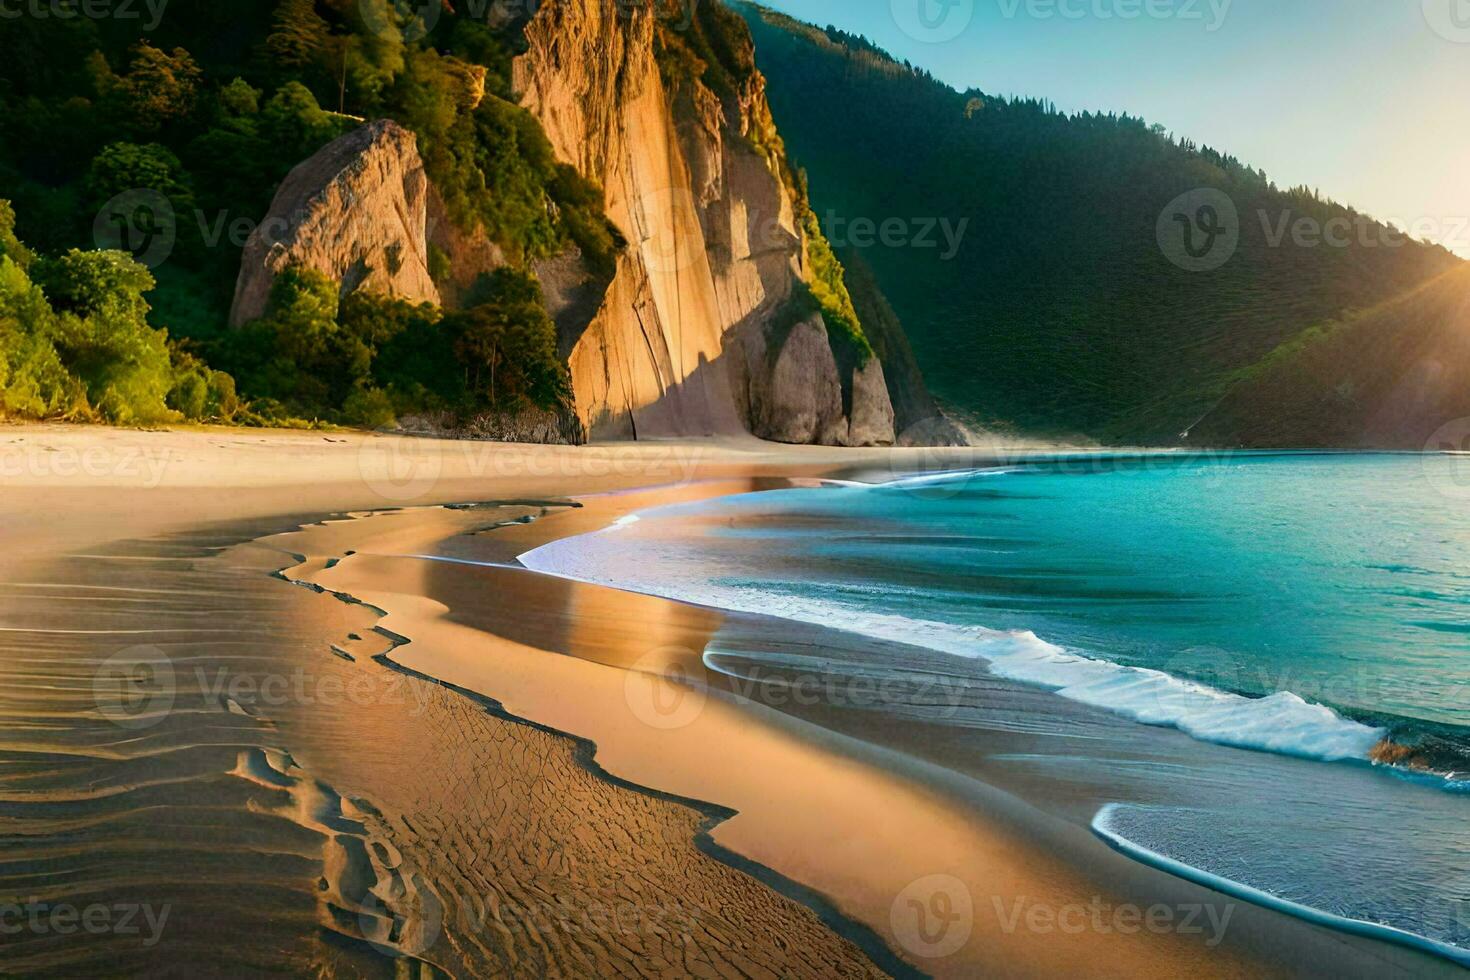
1097	824
820	840
1360	927
1344	924
748	834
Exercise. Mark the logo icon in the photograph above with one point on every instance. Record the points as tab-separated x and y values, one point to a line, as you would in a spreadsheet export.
140	222
400	469
410	926
1198	666
935	473
1199	231
1450	19
662	690
411	20
933	917
933	21
668	230
135	688
1447	460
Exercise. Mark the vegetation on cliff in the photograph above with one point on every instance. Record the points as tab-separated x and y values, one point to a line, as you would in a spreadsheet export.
171	141
1057	310
370	358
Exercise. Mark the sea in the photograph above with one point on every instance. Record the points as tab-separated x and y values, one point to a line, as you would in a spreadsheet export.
1297	623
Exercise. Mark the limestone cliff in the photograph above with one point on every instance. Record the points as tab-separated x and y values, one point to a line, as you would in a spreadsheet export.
695	185
357	210
795	393
705	326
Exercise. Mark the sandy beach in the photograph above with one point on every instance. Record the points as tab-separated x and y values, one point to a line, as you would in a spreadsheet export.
290	698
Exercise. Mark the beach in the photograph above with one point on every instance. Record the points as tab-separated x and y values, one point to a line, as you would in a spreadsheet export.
292	698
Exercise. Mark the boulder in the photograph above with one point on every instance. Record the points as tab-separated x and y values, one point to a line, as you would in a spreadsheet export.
799	400
935	431
356	211
871	421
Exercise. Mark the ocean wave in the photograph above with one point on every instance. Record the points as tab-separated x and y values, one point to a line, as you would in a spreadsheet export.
1105	825
1283	723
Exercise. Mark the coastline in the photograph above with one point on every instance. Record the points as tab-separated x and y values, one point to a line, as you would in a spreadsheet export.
788	772
790	795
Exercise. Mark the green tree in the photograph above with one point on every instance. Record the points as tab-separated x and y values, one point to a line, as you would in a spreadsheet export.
101	332
128	166
10	246
375	52
413	359
33	381
507	346
297	354
299	36
296	126
239	104
199	392
160	88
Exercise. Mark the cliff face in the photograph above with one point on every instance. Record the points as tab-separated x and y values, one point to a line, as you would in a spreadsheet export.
682	341
357	210
794	392
714	246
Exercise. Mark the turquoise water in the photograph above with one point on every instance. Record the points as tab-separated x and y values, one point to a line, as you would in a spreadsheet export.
1308	606
1345	580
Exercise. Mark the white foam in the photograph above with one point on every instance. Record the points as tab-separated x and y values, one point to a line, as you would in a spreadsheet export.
1103	824
1282	723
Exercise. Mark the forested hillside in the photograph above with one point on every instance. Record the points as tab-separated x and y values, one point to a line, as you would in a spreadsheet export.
1396	376
1071	302
169	140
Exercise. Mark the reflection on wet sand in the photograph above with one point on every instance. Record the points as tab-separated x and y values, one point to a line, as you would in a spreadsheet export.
338	779
851	818
238	763
808	803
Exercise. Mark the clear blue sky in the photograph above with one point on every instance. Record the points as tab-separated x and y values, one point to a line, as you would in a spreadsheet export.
1367	100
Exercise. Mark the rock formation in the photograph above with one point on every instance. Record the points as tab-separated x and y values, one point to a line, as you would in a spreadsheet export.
714	247
357	210
870	421
682	341
798	398
794	392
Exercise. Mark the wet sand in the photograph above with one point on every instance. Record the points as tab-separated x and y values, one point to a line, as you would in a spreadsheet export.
385	747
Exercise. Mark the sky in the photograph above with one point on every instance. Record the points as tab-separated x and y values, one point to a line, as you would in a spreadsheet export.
1366	100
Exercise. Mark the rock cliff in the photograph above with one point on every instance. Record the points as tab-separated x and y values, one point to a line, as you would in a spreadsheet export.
795	393
682	340
357	210
693	181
